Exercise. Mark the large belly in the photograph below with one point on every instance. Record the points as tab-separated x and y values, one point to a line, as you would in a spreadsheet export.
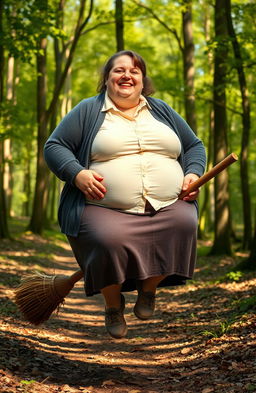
129	178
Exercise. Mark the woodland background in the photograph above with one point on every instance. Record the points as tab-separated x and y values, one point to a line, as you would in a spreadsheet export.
201	57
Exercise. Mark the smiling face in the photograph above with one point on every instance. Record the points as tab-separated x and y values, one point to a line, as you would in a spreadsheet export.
125	82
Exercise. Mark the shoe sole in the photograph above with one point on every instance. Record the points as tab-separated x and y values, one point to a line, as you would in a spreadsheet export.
139	316
119	336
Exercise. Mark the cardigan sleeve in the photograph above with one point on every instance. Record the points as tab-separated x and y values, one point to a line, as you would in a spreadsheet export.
194	151
61	148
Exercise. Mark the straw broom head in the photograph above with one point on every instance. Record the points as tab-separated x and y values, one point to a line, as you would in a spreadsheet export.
39	295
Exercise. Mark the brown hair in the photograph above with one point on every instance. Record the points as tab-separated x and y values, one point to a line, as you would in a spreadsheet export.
138	62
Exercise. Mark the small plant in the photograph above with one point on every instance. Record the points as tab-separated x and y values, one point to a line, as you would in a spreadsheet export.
25	382
234	276
247	304
223	328
251	388
229	277
26	385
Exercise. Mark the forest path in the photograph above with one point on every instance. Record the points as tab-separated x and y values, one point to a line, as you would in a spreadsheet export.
193	343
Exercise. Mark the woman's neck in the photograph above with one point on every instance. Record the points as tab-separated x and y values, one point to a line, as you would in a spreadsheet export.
125	104
130	108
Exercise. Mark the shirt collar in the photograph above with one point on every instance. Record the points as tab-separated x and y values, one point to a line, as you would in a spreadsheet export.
109	104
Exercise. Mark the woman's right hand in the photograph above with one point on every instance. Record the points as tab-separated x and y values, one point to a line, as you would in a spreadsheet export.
89	182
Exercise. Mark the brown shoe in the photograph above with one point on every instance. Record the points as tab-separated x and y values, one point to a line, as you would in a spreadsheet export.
145	305
114	320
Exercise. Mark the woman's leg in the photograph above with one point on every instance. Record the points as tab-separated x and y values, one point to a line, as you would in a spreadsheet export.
150	284
114	311
112	296
145	304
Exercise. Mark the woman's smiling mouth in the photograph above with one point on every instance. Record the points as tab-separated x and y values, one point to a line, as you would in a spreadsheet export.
125	84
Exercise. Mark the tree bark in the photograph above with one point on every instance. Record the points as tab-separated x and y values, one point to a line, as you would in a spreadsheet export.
64	106
66	103
206	221
27	184
188	65
8	167
4	230
42	173
244	156
119	25
222	244
52	199
251	262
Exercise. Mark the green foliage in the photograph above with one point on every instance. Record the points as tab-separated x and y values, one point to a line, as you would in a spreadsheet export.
25	23
234	276
27	382
247	304
251	388
222	329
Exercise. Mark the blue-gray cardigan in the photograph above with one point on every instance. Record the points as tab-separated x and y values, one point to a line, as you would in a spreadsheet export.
67	151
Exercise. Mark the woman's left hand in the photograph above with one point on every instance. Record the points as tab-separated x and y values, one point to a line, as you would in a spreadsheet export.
188	179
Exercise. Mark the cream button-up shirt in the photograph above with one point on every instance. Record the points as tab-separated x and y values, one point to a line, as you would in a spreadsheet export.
137	157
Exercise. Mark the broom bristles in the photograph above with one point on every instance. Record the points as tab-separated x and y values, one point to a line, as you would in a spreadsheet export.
37	297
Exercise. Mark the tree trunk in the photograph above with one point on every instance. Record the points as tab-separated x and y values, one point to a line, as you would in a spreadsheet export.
247	235
4	231
205	222
52	199
222	244
66	103
119	25
42	172
8	178
251	263
27	185
188	65
64	107
8	167
38	218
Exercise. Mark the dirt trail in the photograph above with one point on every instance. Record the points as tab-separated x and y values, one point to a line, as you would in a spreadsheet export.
177	351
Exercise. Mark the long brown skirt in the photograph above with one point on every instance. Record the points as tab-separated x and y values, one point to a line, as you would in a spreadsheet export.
120	248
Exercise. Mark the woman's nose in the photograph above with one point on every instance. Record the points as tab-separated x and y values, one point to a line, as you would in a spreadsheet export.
126	74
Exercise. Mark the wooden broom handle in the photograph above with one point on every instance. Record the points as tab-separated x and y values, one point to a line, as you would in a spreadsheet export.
210	174
76	277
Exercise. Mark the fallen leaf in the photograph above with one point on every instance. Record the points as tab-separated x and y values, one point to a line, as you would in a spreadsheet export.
185	350
108	383
207	390
137	349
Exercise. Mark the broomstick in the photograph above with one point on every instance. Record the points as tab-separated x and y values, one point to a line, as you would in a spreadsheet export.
39	295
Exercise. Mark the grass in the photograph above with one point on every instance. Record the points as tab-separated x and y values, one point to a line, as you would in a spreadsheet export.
223	328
